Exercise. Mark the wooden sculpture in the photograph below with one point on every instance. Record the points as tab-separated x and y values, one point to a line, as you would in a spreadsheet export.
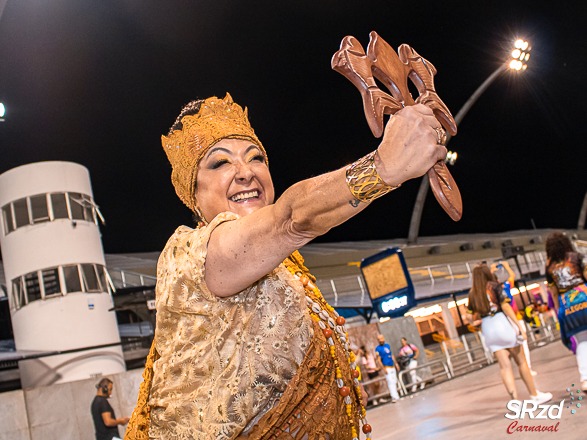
381	62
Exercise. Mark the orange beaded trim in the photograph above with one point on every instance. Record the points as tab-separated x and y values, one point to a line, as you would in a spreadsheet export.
328	319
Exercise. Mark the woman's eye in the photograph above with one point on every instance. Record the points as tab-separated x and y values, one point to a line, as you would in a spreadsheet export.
258	157
218	163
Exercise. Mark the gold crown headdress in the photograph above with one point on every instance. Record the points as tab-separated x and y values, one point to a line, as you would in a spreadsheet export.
217	119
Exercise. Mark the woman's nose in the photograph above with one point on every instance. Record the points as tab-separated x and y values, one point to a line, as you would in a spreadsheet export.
244	172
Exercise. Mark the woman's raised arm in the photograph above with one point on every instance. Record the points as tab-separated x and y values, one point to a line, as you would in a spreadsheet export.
242	251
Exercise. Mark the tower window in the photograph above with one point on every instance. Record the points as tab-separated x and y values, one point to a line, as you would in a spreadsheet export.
8	219
32	286
21	213
51	282
39	208
59	205
72	279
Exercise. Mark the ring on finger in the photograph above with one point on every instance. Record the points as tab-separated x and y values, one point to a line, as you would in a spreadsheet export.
440	135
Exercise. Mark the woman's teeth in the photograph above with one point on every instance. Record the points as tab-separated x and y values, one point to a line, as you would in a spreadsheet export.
244	196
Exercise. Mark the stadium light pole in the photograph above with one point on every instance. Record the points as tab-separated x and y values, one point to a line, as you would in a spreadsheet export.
520	55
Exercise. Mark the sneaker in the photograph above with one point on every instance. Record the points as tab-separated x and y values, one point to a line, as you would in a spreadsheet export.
541	397
382	400
423	385
394	400
534	373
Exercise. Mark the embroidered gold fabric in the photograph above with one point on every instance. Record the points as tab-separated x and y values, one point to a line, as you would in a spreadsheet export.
364	181
311	408
223	361
252	366
217	119
138	425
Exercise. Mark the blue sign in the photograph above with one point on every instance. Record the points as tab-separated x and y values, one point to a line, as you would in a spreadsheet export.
388	282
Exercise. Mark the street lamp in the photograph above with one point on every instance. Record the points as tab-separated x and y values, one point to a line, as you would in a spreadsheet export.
517	62
520	55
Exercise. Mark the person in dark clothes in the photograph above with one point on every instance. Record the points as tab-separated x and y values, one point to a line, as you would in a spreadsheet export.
105	421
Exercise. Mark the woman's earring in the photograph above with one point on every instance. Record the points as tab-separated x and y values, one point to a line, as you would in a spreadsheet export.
201	220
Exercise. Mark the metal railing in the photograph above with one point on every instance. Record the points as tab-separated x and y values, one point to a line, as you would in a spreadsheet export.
384	393
350	290
122	278
467	353
428	365
547	331
402	386
461	356
345	291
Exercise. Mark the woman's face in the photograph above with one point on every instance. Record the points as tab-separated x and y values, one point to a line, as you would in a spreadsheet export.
233	176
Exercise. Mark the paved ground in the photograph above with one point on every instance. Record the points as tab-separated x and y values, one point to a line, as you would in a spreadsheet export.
473	406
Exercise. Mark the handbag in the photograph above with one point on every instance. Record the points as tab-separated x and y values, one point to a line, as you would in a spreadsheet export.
404	361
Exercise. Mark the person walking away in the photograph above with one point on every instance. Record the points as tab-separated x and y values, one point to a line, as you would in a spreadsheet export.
506	277
412	352
489	308
387	358
105	421
566	276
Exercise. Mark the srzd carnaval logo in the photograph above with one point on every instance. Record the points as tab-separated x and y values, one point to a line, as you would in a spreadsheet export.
520	409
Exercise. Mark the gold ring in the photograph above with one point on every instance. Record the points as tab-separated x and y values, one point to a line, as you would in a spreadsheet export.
440	135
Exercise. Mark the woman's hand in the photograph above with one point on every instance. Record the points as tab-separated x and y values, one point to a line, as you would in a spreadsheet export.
409	147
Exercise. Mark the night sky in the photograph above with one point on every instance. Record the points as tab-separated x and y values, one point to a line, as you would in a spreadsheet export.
98	81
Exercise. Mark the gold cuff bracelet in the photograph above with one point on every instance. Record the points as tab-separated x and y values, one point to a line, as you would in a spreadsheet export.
364	181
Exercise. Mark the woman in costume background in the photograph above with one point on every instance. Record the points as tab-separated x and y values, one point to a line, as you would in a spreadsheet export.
505	275
490	308
566	274
245	345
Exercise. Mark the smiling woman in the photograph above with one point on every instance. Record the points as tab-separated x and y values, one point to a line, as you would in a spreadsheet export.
233	176
245	344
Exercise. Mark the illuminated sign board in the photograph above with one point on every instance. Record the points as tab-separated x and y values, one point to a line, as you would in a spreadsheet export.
388	282
394	303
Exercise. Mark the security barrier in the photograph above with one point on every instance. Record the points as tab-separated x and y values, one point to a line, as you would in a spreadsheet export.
445	371
468	353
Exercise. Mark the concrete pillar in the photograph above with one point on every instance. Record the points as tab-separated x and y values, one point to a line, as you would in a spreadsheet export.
449	322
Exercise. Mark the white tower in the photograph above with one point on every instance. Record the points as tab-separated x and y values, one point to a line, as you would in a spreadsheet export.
58	287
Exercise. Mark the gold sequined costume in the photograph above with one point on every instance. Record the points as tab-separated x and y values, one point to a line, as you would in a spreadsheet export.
253	364
271	362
